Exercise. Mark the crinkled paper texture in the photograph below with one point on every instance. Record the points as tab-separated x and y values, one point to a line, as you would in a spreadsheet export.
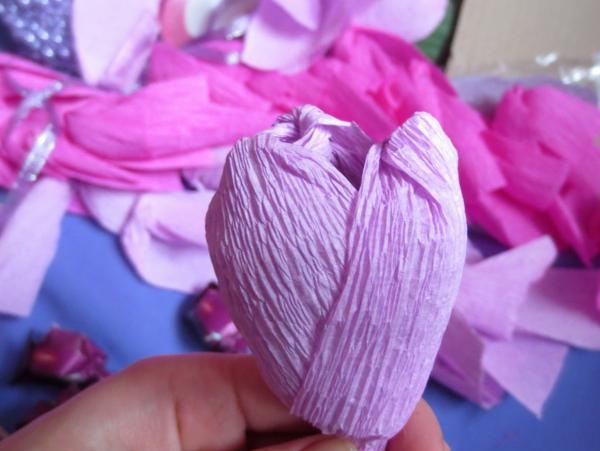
138	142
340	262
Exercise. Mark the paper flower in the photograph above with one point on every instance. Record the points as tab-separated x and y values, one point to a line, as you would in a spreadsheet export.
340	261
67	356
291	35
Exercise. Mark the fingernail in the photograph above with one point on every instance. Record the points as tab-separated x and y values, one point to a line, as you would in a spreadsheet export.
332	444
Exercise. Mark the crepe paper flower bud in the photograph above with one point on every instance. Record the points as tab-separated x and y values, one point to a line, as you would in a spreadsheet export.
209	316
340	261
67	356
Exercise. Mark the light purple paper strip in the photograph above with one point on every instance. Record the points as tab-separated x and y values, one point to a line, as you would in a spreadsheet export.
493	290
561	307
28	243
162	234
526	366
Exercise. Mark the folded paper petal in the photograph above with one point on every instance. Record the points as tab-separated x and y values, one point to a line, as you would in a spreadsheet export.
406	18
277	272
526	366
484	300
110	208
328	283
290	35
481	369
561	307
282	36
459	364
137	142
162	235
414	291
28	240
117	57
514	317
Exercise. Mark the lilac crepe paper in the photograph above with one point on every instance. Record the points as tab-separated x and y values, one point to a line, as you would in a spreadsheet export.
561	307
511	313
290	35
162	235
28	240
114	39
339	262
484	299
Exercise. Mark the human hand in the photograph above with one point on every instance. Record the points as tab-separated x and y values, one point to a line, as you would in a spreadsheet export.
193	402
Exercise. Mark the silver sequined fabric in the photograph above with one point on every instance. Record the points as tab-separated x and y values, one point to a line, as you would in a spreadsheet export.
40	30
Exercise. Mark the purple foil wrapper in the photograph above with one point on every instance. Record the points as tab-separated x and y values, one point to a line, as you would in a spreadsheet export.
67	356
41	31
208	315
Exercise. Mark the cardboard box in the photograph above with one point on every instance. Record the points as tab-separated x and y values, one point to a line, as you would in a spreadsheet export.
494	35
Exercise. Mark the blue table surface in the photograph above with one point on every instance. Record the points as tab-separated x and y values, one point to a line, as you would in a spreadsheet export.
90	287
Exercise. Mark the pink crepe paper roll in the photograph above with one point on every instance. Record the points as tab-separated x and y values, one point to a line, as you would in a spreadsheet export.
340	262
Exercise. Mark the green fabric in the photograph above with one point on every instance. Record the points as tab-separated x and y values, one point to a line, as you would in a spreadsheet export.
433	46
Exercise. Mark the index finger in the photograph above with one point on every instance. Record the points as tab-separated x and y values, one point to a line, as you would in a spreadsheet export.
206	401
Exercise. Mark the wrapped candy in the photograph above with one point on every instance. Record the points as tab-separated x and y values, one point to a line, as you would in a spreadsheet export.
209	317
67	356
340	261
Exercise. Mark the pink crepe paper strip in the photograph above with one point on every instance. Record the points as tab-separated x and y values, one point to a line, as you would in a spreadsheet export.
113	39
379	81
547	140
528	173
28	240
138	142
340	261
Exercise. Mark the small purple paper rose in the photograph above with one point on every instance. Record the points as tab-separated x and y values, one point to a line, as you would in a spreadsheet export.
339	261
